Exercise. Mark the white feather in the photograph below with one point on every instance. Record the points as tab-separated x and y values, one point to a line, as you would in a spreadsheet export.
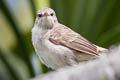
49	54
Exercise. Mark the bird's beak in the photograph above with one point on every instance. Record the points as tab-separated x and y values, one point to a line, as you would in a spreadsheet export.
46	14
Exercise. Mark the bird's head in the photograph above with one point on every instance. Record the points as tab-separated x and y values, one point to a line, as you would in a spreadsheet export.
46	18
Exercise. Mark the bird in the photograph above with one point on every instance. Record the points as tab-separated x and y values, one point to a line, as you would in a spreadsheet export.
59	46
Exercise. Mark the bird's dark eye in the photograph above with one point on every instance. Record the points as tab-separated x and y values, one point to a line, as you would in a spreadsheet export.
40	15
51	14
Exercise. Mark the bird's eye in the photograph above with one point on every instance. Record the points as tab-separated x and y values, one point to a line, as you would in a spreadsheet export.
51	14
40	15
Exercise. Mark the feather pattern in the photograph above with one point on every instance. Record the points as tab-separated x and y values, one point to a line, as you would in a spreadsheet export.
62	35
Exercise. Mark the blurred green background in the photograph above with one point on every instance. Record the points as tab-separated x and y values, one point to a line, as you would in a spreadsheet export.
96	20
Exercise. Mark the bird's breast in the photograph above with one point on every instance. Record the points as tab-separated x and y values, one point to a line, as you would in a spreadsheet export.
50	54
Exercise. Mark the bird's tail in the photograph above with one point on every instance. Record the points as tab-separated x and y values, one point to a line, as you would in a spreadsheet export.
100	49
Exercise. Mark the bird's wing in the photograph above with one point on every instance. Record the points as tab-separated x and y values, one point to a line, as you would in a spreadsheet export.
62	35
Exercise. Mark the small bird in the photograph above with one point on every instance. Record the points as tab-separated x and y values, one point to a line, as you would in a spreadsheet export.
57	45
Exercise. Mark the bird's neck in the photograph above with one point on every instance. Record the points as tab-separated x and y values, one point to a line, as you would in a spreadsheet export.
47	27
43	29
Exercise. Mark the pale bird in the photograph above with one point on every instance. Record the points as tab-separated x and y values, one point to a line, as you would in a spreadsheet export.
57	45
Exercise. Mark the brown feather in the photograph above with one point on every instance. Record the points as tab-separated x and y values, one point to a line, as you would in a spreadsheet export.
61	35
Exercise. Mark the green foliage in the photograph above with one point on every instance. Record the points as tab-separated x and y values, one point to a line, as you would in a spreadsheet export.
9	68
19	35
94	19
97	20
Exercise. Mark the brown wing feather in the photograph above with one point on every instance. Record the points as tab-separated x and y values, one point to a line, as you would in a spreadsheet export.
62	35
